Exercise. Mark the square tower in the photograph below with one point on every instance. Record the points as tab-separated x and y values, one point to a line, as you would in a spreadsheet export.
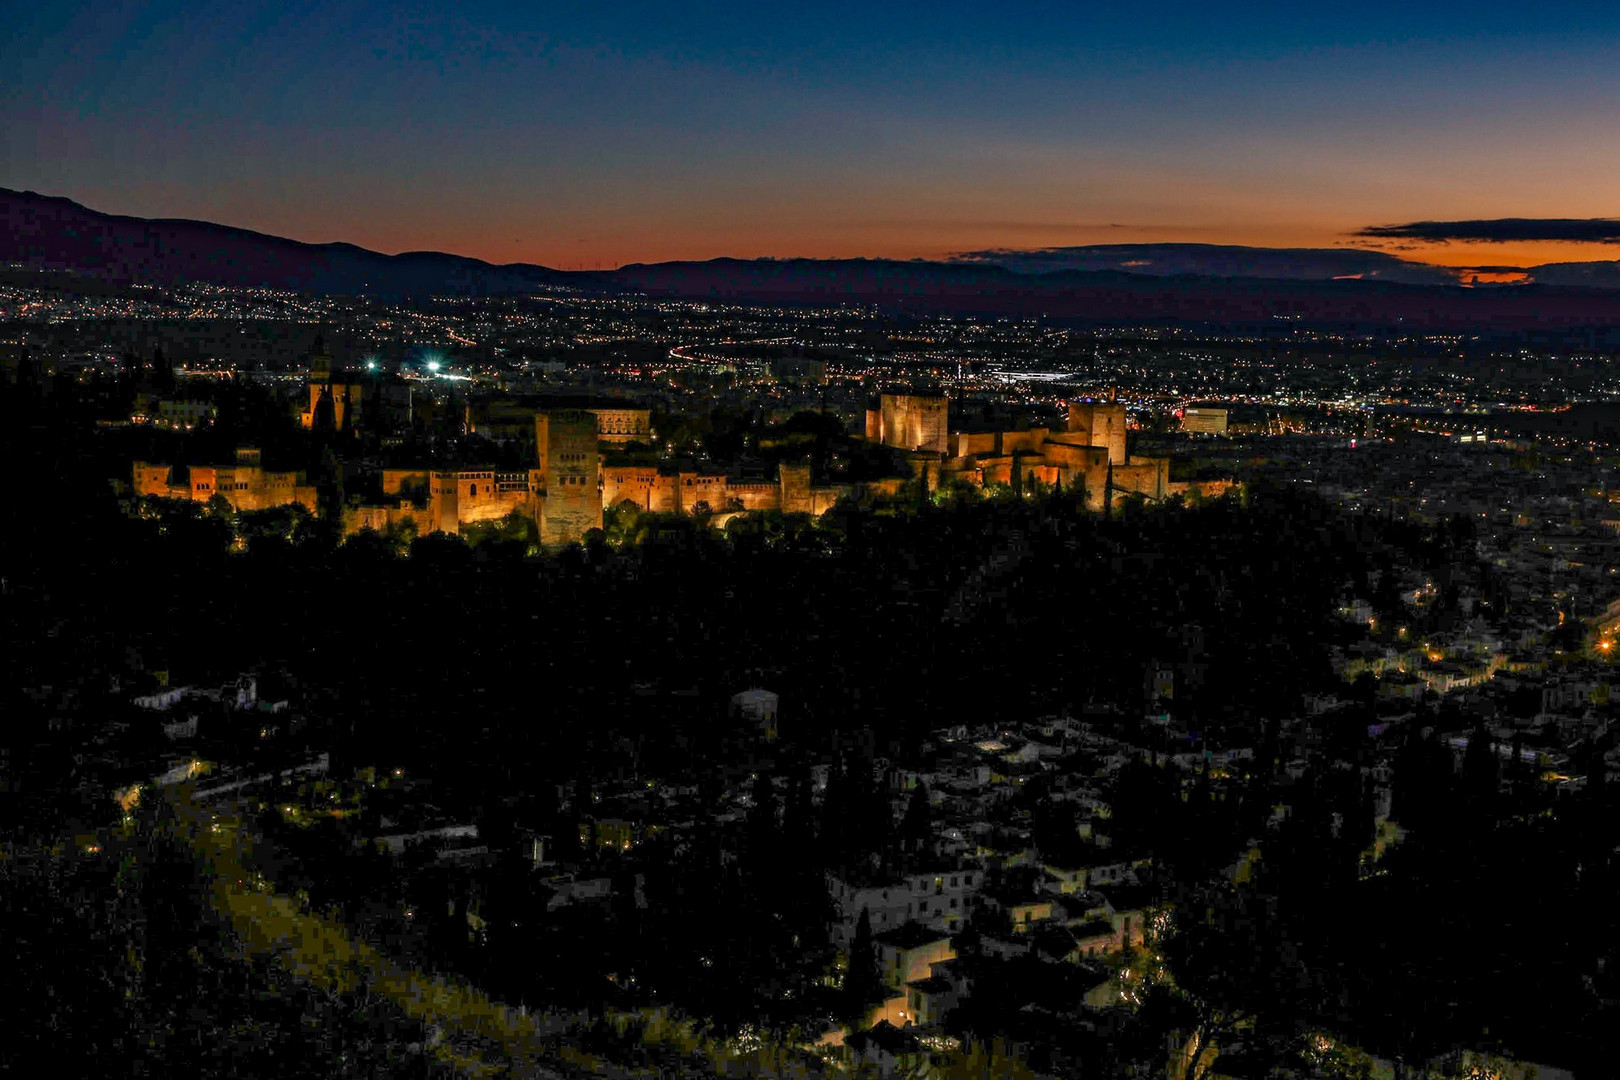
570	467
1100	423
915	422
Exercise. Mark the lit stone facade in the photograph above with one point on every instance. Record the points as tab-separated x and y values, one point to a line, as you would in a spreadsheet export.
568	487
622	425
917	422
688	492
514	420
1090	452
246	485
1100	423
566	492
570	502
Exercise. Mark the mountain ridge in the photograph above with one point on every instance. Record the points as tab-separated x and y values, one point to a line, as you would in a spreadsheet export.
54	233
1218	260
1115	296
51	232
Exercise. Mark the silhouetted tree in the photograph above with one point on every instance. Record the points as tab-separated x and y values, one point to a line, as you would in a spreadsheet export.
916	828
863	982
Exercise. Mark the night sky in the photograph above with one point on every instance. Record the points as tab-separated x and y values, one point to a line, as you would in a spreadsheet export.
590	135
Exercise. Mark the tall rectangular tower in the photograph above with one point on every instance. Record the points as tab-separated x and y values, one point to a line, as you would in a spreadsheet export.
444	503
570	467
1100	423
915	422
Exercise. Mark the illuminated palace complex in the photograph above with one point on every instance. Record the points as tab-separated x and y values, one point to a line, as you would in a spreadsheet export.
567	486
1090	452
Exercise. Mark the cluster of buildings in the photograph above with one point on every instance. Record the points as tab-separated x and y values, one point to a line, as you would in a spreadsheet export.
1035	911
565	491
174	413
1523	648
246	484
1089	452
575	469
1060	916
1085	454
1551	707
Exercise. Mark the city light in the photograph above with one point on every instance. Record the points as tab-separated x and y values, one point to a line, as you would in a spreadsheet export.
481	447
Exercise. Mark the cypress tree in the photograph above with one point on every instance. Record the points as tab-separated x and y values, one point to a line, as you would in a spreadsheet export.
1413	783
763	831
863	982
162	371
324	423
834	835
916	829
1481	770
798	815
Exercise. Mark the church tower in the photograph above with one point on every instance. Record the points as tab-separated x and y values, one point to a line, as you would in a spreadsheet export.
339	395
320	362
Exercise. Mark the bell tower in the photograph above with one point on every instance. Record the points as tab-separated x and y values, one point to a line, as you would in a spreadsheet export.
320	361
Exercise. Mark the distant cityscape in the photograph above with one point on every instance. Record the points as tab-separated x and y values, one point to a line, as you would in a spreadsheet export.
799	542
1278	612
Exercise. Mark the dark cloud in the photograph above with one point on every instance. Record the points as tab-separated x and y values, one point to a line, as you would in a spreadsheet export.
1502	230
1378	245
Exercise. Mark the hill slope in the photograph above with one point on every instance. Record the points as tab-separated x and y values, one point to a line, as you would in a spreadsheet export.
50	233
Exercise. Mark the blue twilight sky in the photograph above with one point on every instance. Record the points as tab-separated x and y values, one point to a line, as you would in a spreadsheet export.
591	135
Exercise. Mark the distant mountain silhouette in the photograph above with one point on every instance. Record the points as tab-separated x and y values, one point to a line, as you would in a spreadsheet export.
1115	296
51	233
1235	286
1591	275
1217	260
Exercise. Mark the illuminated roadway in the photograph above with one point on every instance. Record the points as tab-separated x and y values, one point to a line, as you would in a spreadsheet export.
680	352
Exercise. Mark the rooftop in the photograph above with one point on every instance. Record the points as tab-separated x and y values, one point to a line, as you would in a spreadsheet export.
910	936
